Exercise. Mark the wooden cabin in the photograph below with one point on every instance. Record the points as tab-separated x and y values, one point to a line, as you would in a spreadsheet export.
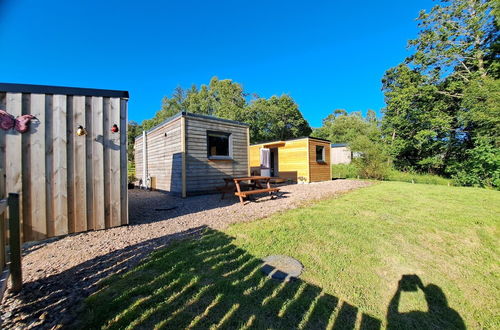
301	160
190	154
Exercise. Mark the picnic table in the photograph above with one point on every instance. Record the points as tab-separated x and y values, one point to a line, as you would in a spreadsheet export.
255	186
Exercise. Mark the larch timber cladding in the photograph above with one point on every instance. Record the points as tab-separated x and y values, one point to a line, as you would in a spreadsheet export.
292	160
67	183
202	174
164	157
319	171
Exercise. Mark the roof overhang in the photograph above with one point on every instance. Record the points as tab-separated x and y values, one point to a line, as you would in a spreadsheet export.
276	144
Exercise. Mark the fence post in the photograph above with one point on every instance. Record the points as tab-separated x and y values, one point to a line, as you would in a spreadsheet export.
15	243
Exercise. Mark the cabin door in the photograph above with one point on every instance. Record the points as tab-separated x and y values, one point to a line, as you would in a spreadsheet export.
265	162
274	162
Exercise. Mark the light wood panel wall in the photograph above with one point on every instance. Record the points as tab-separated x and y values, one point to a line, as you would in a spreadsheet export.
164	158
203	174
292	159
296	159
67	183
319	171
164	148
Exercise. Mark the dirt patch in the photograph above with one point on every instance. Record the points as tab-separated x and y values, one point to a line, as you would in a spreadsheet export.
59	273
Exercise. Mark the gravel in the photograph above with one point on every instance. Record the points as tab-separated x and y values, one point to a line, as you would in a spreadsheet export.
59	273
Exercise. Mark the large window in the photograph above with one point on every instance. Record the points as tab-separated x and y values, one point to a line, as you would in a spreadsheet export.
320	154
219	145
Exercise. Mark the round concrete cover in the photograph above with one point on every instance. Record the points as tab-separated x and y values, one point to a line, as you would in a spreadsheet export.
282	268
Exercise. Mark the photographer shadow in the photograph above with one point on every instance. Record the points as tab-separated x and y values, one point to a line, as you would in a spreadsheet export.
438	316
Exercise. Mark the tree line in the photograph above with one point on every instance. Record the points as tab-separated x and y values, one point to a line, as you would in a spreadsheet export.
442	113
273	118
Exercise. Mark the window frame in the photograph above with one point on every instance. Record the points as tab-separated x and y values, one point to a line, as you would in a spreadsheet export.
323	154
230	145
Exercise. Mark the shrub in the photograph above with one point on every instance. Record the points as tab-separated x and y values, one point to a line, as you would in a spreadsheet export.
372	162
482	166
344	171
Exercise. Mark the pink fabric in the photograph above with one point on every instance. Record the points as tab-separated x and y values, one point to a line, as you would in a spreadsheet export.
21	123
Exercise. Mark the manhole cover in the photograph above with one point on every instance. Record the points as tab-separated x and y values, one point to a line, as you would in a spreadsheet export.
282	268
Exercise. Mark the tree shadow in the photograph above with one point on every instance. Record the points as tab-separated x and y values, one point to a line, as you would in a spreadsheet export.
52	300
151	206
207	282
438	316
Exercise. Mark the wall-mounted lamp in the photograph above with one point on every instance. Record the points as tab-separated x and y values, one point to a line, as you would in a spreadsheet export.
80	131
115	128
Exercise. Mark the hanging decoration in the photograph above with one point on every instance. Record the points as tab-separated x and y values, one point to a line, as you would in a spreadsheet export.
81	131
20	124
115	129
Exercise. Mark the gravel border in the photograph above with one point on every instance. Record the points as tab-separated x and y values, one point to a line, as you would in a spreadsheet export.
59	273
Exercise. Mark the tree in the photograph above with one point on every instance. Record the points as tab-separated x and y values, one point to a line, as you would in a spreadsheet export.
169	107
276	118
363	136
340	127
270	119
221	98
133	130
443	101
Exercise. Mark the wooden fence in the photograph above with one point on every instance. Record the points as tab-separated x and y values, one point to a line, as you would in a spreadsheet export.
14	237
67	183
3	225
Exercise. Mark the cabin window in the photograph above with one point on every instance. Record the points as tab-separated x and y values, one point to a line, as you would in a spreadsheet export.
219	145
320	154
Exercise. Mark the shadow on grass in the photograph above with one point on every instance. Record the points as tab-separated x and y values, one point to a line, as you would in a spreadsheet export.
438	316
52	300
209	282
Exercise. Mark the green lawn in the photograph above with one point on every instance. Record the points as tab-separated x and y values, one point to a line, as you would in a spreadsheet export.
390	255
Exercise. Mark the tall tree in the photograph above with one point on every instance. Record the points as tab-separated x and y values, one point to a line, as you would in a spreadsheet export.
341	127
276	118
270	119
443	100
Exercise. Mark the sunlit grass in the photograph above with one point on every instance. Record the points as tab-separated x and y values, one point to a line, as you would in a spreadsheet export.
355	249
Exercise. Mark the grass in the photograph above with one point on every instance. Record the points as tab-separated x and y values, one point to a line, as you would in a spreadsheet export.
350	171
392	255
418	178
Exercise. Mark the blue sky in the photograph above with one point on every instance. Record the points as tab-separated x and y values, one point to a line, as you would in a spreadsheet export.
325	54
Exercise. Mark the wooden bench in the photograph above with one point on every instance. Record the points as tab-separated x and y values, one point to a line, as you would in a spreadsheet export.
231	187
257	191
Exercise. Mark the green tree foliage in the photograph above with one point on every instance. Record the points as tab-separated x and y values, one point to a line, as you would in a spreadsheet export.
372	161
133	130
341	127
364	137
275	118
443	101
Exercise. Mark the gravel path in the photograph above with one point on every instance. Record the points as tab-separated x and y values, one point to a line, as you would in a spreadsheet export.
59	273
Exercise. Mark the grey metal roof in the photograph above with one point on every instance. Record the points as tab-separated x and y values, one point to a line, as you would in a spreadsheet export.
193	115
45	89
299	138
339	145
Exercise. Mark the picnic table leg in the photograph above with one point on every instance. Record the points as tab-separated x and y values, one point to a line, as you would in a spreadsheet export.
237	184
268	184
